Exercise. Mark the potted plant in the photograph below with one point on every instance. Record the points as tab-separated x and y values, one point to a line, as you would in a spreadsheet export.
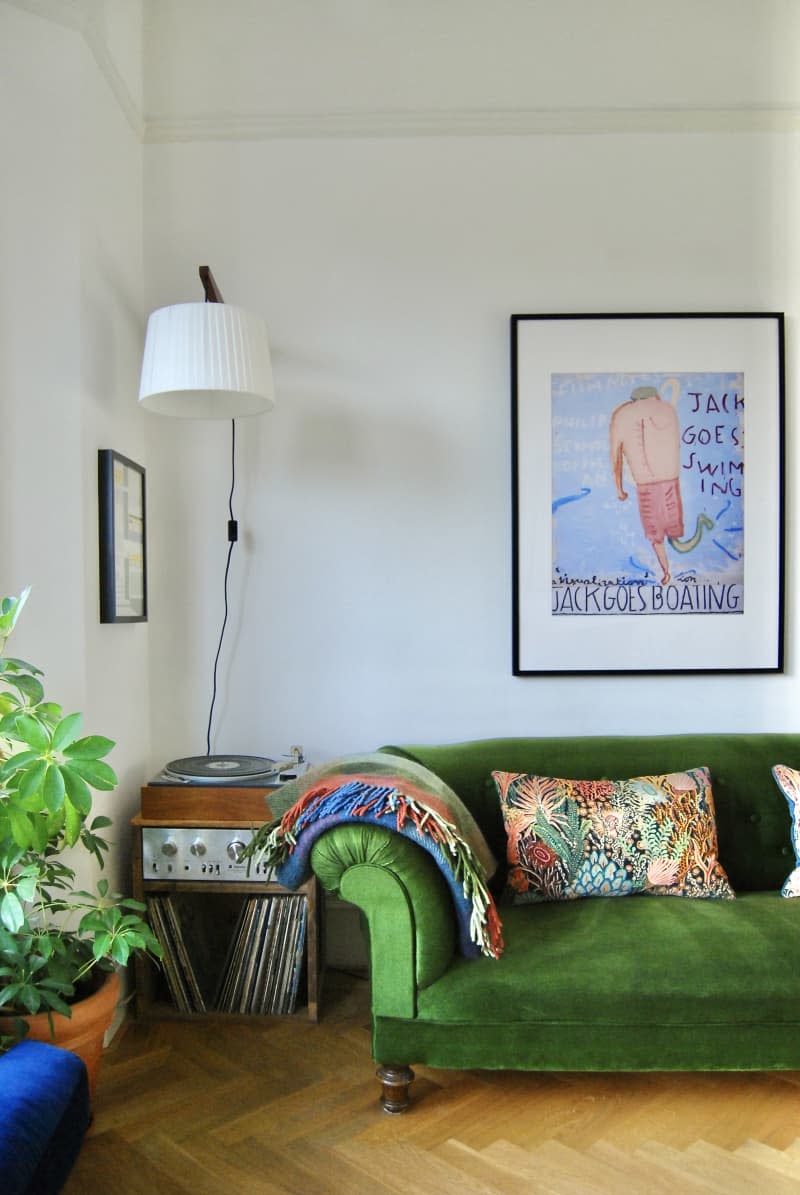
58	943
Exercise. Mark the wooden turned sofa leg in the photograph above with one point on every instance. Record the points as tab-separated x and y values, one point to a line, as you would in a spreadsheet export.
395	1082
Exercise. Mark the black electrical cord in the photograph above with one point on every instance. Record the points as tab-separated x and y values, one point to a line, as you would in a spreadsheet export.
233	535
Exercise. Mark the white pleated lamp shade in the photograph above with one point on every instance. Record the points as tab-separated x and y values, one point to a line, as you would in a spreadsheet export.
206	361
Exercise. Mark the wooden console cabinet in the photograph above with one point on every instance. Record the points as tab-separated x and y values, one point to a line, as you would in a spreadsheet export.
231	926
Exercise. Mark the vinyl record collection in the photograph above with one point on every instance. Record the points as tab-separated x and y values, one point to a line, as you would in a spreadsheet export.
262	969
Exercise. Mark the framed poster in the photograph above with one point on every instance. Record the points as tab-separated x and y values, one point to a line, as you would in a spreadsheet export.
647	459
123	571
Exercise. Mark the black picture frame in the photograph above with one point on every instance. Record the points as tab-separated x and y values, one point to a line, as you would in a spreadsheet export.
591	593
123	538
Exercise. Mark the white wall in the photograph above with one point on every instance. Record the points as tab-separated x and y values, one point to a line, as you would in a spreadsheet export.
71	330
372	590
371	587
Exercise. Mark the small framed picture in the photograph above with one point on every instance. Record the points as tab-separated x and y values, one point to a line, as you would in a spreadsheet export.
648	493
123	557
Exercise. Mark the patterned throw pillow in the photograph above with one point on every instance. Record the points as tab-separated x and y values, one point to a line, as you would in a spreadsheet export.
572	838
788	781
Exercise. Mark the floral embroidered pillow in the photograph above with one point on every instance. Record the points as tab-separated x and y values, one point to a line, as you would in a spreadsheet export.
788	781
573	838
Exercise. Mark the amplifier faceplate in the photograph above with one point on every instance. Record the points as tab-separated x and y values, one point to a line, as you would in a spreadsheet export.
198	853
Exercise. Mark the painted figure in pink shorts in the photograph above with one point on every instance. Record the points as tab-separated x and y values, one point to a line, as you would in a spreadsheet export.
645	435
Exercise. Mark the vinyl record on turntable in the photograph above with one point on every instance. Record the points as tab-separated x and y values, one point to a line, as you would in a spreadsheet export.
222	769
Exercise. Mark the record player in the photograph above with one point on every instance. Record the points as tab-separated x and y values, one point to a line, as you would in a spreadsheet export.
212	787
246	771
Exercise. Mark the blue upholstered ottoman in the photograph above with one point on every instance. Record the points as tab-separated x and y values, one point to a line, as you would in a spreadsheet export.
44	1113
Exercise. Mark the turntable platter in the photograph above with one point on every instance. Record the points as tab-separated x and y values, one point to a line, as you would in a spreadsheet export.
222	769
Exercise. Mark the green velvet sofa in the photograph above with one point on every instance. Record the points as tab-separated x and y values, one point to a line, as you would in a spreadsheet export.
635	983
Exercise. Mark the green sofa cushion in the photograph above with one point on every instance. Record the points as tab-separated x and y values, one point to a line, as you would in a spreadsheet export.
641	960
608	984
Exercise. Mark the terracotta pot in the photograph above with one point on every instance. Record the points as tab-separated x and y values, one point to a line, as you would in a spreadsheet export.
83	1032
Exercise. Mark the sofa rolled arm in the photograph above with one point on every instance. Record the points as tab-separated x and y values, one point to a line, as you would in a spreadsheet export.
406	903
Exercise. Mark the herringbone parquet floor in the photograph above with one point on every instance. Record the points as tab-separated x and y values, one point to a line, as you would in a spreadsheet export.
284	1107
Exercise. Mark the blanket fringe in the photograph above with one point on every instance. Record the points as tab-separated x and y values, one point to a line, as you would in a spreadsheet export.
358	798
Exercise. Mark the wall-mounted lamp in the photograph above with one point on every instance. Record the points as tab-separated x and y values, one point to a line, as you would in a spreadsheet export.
208	361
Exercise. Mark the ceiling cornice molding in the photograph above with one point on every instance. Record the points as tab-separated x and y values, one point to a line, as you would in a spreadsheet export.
472	123
85	18
76	16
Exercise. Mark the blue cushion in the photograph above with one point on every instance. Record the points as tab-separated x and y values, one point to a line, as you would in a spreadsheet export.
45	1113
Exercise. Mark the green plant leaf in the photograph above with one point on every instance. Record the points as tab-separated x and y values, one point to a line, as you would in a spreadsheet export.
28	685
32	779
67	731
31	731
54	1001
10	855
94	746
11	664
26	888
50	712
94	772
95	844
47	948
54	788
46	830
22	827
8	943
77	790
12	913
120	950
8	995
16	763
102	945
73	820
10	611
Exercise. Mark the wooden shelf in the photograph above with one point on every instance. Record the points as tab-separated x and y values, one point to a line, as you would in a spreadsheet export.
214	905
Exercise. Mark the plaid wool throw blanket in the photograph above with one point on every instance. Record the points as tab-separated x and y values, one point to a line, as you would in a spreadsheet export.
403	797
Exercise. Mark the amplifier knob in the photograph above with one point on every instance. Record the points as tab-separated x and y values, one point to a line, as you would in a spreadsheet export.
235	850
198	847
170	847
